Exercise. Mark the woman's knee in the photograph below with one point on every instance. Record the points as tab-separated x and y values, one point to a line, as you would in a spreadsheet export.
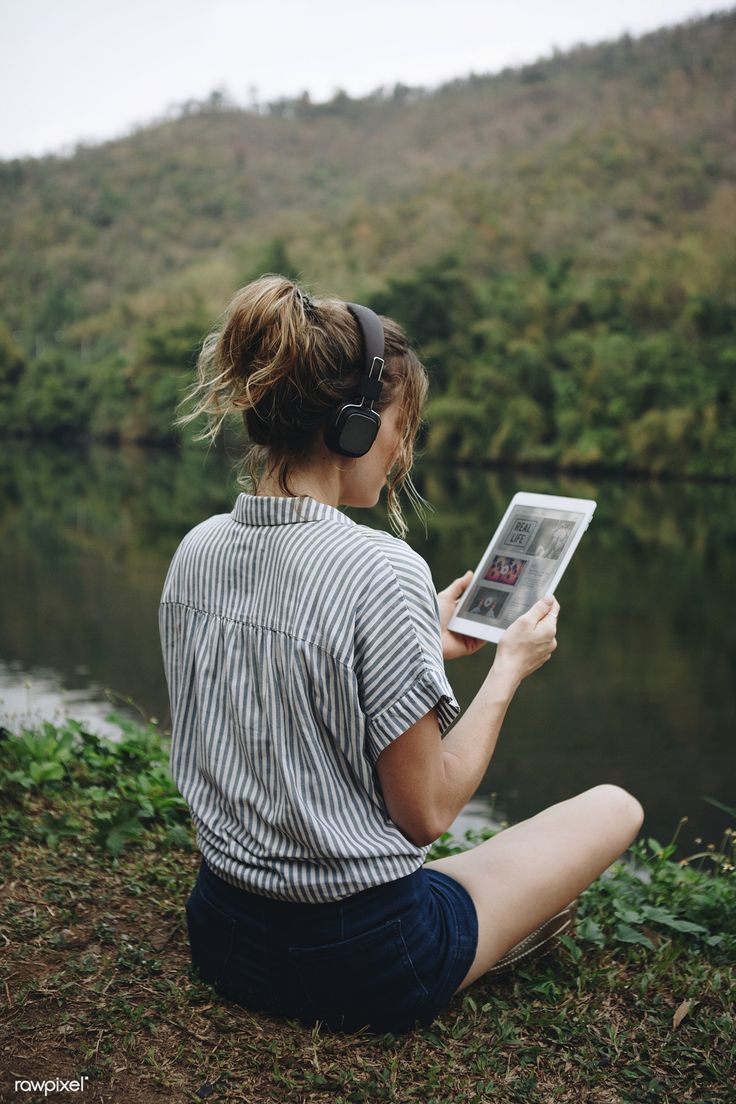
626	809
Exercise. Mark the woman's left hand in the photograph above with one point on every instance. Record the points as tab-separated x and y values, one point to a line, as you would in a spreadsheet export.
455	644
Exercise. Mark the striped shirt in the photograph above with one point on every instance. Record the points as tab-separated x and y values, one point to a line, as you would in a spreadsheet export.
297	645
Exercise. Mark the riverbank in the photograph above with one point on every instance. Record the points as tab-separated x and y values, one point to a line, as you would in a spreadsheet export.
98	857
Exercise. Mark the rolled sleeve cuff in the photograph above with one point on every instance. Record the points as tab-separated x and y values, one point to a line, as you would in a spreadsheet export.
430	689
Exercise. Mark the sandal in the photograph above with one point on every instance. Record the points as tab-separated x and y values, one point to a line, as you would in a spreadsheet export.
538	942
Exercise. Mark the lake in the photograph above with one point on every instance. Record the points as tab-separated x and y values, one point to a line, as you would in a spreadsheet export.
640	692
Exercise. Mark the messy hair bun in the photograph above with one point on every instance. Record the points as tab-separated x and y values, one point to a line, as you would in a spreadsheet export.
286	362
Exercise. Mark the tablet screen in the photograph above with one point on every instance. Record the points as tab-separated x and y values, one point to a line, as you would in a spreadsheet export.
520	565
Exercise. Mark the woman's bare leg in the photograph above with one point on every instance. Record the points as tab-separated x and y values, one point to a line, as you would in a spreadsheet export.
531	871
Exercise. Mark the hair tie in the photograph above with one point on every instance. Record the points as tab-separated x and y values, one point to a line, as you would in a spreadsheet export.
309	307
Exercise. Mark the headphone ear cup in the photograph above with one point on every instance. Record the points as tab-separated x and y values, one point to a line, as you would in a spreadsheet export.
332	430
352	430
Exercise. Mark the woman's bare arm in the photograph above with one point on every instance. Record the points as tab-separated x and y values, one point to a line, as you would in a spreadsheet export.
427	781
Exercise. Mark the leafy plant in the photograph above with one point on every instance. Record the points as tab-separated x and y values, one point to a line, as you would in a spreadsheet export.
124	786
655	899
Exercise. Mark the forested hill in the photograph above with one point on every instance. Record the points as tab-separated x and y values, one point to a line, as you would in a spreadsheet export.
559	239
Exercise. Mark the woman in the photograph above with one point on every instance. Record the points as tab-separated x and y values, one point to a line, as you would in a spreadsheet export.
310	706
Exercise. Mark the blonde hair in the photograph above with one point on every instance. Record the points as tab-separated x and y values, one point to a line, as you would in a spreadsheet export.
286	362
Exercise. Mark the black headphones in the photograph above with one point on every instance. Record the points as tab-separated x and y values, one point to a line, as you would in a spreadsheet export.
353	428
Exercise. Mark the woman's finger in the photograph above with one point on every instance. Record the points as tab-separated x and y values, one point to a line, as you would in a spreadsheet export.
457	586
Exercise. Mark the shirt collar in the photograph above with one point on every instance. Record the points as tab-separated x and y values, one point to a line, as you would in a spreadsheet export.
252	509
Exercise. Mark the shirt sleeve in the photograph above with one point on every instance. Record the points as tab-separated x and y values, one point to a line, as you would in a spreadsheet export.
398	647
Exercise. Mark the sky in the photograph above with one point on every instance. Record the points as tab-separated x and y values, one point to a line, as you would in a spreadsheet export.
91	70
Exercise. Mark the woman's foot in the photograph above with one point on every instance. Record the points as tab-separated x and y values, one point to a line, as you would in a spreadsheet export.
537	942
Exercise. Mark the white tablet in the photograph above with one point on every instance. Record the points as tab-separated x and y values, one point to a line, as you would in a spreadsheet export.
524	561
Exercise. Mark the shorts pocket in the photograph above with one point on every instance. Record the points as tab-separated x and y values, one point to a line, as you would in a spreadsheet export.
211	937
366	980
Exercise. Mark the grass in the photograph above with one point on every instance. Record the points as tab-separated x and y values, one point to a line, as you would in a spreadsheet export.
98	857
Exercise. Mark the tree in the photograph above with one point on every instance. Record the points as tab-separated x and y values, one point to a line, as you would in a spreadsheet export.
53	397
12	367
159	375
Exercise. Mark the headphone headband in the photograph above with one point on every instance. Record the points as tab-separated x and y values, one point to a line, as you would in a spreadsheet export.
373	337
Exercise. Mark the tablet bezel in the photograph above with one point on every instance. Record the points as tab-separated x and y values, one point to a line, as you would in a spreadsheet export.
586	506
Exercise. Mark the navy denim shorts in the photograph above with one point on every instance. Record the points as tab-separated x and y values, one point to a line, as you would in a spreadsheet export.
388	958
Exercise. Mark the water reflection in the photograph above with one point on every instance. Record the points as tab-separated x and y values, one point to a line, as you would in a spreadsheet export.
640	691
28	698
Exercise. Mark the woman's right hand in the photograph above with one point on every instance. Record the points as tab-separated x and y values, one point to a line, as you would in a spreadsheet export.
529	641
